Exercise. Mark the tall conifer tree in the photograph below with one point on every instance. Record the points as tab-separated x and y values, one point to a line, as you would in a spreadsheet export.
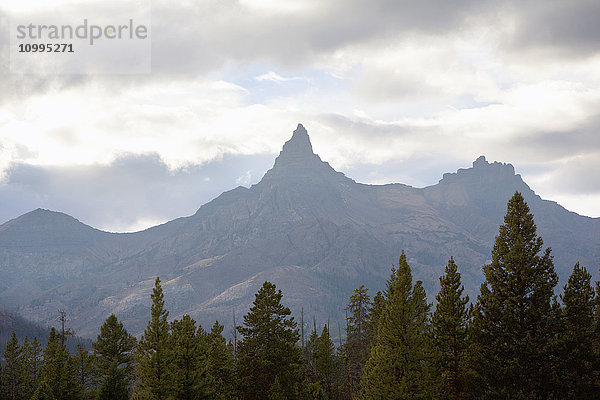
220	365
13	372
356	347
326	363
395	368
113	354
577	360
449	336
84	365
513	321
58	376
153	357
269	349
189	361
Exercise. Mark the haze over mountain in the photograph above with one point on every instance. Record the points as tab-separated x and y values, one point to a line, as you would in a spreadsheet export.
311	230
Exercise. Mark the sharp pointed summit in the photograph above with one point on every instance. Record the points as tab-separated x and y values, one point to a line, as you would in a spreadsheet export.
298	150
297	159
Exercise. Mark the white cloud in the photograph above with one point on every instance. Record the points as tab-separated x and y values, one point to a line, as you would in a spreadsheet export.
275	77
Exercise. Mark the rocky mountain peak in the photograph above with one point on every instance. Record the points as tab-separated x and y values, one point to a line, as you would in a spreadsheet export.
299	144
483	170
298	150
297	159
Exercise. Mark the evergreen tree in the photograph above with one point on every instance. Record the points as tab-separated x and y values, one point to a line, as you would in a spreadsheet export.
449	337
514	315
84	364
220	366
32	364
13	370
395	368
577	360
113	360
58	376
326	363
269	349
310	360
376	312
31	361
153	358
189	361
358	336
35	359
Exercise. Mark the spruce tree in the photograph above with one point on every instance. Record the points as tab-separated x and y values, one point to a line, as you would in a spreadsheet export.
395	368
84	364
153	357
58	376
577	361
357	339
449	337
220	366
269	349
376	312
32	364
113	360
35	357
310	360
12	373
326	363
189	361
513	321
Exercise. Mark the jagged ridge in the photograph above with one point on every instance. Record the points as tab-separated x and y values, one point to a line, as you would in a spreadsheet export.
314	232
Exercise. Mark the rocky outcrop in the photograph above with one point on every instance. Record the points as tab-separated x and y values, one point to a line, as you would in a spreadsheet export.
313	231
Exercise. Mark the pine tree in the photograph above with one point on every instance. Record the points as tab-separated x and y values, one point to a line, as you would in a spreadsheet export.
58	376
189	361
326	363
449	337
31	356
269	349
84	364
153	357
395	368
310	360
357	340
13	370
376	312
577	367
27	386
513	315
113	360
35	360
220	366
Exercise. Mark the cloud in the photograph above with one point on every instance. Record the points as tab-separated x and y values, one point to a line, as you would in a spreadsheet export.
275	77
557	28
405	84
133	192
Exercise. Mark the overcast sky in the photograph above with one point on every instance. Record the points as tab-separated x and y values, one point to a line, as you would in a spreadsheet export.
389	91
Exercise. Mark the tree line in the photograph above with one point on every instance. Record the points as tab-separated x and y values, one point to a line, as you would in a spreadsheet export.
517	340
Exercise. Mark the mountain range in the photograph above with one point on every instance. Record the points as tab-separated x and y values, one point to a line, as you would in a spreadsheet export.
311	230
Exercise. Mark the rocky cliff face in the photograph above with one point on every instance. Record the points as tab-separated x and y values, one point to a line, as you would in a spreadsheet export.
314	232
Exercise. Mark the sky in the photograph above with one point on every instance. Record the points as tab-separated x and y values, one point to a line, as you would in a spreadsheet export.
389	91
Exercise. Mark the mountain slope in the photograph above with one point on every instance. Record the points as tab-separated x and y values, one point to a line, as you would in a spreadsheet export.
313	231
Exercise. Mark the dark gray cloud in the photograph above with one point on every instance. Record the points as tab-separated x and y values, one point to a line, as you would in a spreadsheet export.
575	141
567	28
130	191
202	36
579	175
